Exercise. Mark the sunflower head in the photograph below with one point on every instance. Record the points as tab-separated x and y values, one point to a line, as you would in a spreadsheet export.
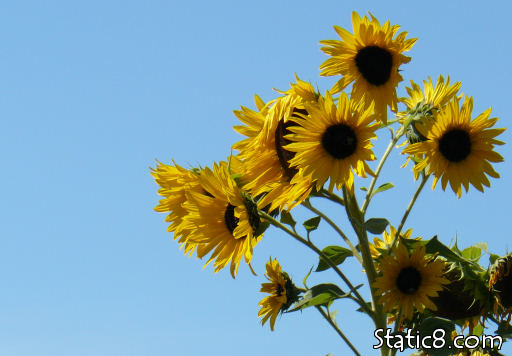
370	57
500	284
283	293
174	182
458	150
409	280
423	105
254	121
269	173
332	141
379	245
456	301
223	220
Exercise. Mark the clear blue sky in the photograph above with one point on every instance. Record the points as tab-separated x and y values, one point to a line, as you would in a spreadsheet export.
93	92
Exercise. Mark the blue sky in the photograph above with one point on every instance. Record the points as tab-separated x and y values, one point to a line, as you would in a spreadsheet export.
93	92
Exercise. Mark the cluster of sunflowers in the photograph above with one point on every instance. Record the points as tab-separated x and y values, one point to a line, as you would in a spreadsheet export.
305	145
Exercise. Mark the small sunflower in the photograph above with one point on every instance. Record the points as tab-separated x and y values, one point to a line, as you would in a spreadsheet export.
333	141
426	104
500	284
408	281
387	238
458	150
370	58
282	293
225	220
269	174
175	181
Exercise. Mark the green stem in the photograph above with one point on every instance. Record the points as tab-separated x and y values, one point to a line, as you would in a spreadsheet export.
424	179
383	159
357	220
309	244
335	327
308	205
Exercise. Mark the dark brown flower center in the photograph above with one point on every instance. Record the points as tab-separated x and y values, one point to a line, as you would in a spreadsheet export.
374	64
230	219
408	280
340	141
455	145
279	290
283	155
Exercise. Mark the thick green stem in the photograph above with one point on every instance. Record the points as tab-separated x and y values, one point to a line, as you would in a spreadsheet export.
356	218
360	299
335	327
308	205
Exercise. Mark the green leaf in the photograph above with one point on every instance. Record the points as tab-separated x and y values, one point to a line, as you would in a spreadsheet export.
434	245
383	188
364	189
376	225
478	330
336	255
430	326
472	253
312	224
492	258
483	246
287	218
321	294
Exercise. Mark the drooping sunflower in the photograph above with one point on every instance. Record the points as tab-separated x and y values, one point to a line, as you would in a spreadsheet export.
460	299
269	174
333	141
370	58
458	150
426	104
500	284
223	220
282	293
409	280
175	181
387	238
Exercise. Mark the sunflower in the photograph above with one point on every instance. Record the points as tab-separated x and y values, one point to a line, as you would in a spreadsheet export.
409	280
332	141
267	163
253	120
387	238
458	301
224	220
426	104
175	181
458	150
370	58
282	293
500	283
